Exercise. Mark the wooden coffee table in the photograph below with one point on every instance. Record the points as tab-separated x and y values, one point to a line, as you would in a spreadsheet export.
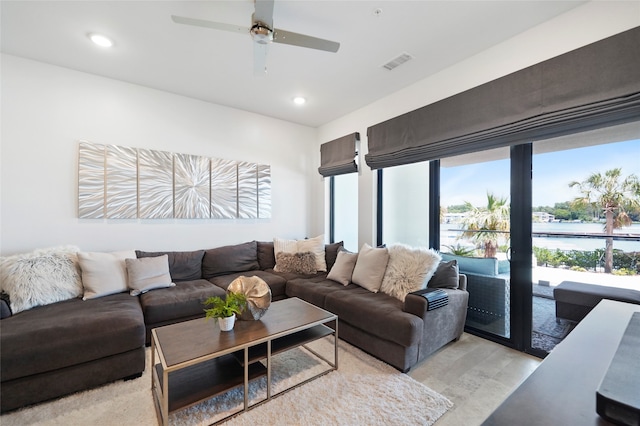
196	361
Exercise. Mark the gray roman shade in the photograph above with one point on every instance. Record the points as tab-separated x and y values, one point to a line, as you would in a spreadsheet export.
594	86
338	157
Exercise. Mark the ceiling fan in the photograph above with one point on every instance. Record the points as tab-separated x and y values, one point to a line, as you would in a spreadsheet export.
263	33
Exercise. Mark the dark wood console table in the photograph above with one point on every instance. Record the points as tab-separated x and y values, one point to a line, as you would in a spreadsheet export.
562	390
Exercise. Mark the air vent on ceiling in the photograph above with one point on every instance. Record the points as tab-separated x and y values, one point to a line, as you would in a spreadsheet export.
396	62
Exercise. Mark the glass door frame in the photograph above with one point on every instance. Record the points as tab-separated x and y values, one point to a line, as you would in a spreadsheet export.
520	252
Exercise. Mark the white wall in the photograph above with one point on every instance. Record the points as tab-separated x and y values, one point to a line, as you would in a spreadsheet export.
47	109
581	26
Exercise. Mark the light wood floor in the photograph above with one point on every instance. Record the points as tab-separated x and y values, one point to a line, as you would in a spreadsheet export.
476	375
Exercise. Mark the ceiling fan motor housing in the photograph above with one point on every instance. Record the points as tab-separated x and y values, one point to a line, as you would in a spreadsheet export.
261	33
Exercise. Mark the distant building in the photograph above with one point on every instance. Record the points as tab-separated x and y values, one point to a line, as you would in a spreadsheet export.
543	217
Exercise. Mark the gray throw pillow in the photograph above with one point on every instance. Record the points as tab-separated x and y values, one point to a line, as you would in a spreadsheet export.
342	269
148	273
446	276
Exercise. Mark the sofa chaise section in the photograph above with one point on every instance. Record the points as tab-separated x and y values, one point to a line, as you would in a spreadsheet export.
69	346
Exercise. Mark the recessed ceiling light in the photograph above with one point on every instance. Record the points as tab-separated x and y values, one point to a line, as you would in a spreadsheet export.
101	40
299	100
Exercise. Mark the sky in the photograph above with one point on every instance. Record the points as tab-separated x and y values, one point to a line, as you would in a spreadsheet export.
552	173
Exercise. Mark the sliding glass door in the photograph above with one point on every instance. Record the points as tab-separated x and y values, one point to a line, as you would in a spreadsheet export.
475	230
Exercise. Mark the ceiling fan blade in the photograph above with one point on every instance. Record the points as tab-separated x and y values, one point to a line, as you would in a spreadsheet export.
264	12
209	24
295	39
259	59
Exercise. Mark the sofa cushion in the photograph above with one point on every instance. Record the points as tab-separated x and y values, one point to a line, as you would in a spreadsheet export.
376	313
148	273
266	255
446	276
229	259
370	267
315	290
184	300
104	273
342	269
183	265
275	282
71	332
409	269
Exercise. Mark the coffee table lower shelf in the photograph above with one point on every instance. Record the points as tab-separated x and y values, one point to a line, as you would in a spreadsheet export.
192	385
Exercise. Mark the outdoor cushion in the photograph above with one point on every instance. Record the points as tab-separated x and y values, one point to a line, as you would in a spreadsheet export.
475	265
184	300
68	333
183	265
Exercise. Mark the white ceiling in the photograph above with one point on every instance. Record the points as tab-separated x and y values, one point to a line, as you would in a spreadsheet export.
217	66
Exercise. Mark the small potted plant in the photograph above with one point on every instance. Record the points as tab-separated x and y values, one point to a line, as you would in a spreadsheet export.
226	309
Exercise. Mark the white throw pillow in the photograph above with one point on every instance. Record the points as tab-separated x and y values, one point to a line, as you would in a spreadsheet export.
41	277
313	245
370	267
342	270
148	273
104	273
409	269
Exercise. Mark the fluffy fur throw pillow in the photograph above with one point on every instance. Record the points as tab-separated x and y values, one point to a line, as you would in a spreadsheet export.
409	269
41	277
298	263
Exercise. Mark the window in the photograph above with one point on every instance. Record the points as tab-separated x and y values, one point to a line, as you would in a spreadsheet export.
405	204
343	205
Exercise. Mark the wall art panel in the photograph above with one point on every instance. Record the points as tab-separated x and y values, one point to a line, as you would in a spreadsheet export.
264	191
192	185
121	194
117	182
247	190
91	181
155	184
224	189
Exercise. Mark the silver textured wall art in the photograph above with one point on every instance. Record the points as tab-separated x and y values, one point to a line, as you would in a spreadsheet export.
155	184
264	191
191	177
247	190
91	181
117	182
224	189
121	182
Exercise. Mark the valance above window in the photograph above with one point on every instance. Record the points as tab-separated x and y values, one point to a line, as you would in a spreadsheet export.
594	86
338	157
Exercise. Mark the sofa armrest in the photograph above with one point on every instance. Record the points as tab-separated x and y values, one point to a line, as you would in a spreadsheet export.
417	305
462	282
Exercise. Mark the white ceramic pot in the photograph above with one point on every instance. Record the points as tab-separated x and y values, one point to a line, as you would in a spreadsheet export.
226	324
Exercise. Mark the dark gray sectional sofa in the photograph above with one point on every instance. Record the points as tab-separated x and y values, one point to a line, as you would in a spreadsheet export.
68	346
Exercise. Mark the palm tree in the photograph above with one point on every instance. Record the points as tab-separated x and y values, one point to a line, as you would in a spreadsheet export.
614	196
487	224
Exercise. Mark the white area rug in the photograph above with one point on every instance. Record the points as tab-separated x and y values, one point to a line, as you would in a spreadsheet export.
364	391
